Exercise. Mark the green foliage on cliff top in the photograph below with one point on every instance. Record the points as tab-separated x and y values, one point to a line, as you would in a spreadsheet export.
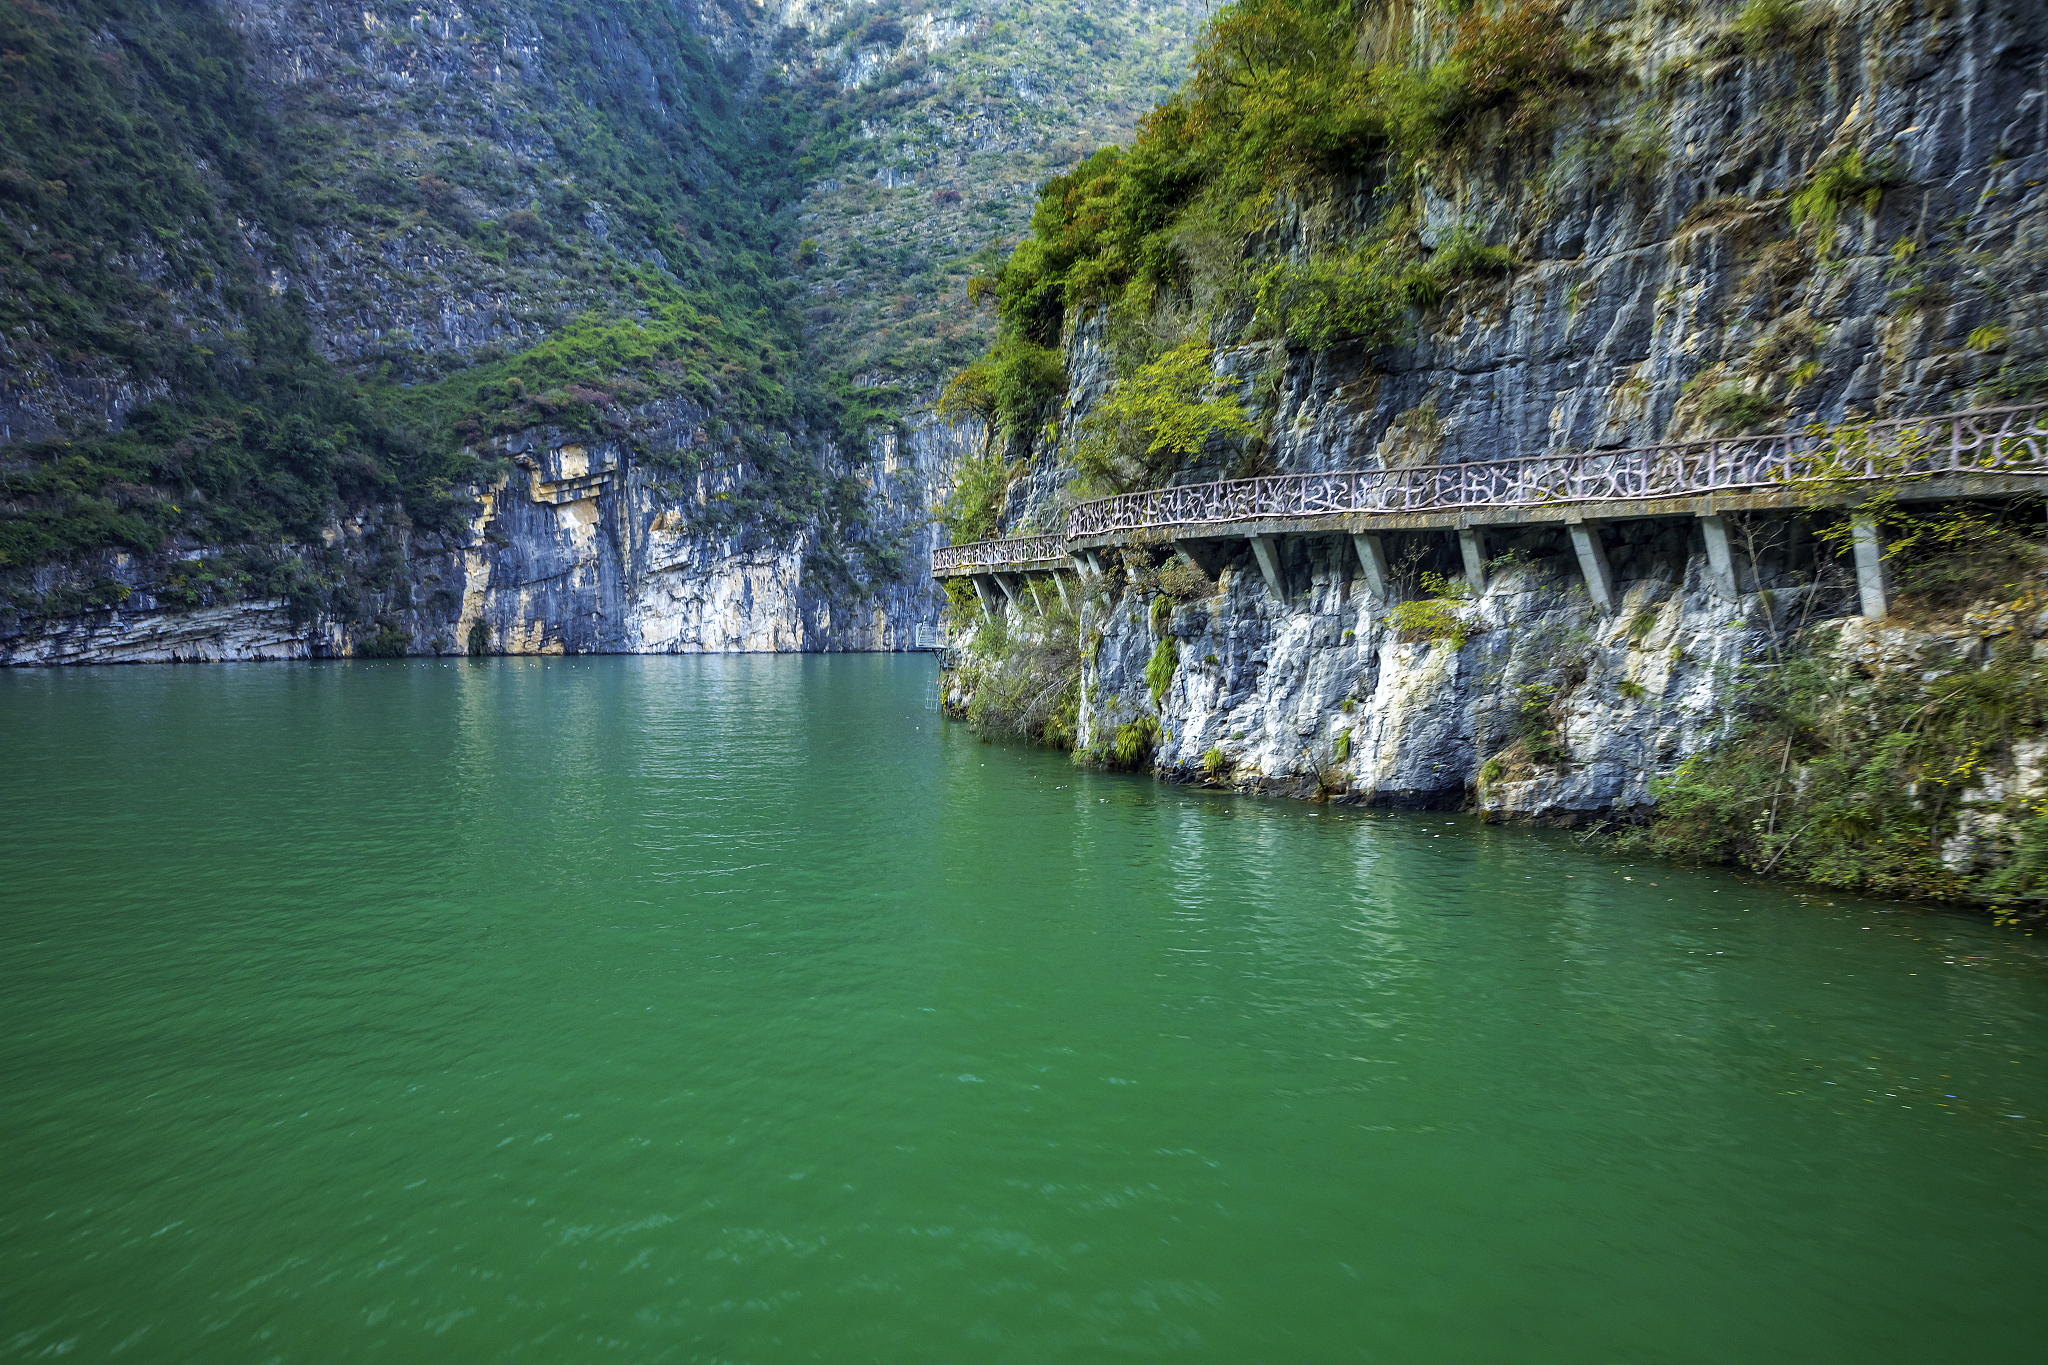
264	469
124	166
1286	96
1008	390
1284	92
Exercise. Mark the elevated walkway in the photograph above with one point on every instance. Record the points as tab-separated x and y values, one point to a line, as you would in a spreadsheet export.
1981	453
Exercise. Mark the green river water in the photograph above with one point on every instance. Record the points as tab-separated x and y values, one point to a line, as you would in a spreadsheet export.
739	1010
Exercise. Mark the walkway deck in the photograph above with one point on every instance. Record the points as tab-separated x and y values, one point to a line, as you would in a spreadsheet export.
1982	453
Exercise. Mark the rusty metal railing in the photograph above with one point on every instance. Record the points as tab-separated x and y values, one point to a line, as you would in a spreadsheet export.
1024	552
1987	440
2009	440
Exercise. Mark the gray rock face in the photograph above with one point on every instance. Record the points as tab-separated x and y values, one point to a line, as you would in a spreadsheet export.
1642	295
1548	710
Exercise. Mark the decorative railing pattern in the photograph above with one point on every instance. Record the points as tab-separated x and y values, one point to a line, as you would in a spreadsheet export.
1025	552
1984	441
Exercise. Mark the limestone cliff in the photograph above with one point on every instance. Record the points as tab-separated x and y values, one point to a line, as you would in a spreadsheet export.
577	547
1722	218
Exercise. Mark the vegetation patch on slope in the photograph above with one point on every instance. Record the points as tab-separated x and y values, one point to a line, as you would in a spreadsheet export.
150	202
1171	237
1869	767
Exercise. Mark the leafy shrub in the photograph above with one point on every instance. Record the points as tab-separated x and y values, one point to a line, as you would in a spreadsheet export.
972	508
1282	91
884	30
1008	389
1370	293
1214	764
1949	556
1535	724
1735	407
2022	880
1938	558
1523	63
1183	580
1146	425
479	641
1024	675
1854	782
1432	619
389	641
1365	294
1762	21
1435	618
1464	256
442	200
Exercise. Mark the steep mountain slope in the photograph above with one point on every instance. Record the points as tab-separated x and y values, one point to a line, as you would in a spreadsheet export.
948	120
292	291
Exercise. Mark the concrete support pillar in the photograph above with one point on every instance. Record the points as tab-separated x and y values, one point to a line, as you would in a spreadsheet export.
1472	545
1372	557
984	588
1720	557
1593	564
1008	583
1266	549
1083	567
1059	580
1870	582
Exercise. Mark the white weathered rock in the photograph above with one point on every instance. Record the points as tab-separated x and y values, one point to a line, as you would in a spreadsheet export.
1420	718
583	548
